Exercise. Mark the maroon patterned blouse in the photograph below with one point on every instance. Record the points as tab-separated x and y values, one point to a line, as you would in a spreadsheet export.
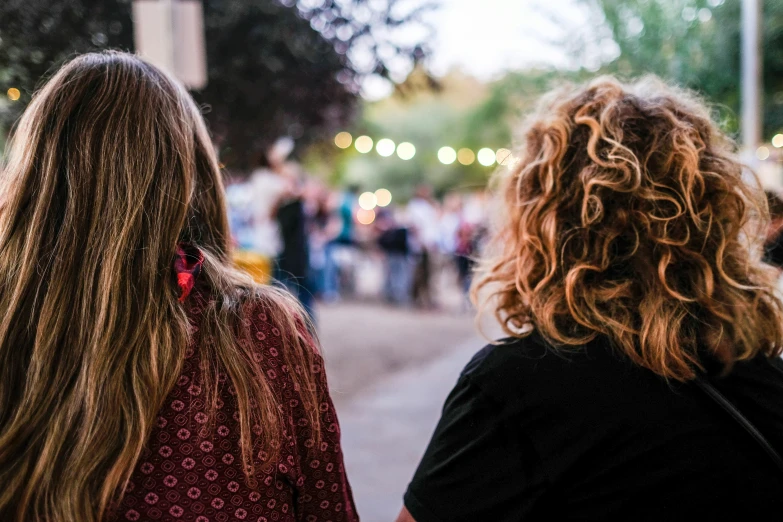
189	473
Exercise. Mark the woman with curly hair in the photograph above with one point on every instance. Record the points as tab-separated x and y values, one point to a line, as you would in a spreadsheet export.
641	378
142	377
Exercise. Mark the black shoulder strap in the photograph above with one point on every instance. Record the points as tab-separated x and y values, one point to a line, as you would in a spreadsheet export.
743	421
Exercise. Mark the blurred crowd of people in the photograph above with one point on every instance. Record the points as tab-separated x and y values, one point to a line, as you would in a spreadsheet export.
425	235
311	238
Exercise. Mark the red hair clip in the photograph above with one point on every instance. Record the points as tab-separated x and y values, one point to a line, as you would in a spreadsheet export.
187	266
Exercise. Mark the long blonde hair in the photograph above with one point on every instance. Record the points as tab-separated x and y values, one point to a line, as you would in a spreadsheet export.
109	168
628	217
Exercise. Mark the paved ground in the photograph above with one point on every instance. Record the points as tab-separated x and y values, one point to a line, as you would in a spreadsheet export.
390	371
363	342
387	428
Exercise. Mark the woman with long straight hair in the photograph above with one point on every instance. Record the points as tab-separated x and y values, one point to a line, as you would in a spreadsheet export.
141	376
641	379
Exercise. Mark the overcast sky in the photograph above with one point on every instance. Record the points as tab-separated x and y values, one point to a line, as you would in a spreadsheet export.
487	37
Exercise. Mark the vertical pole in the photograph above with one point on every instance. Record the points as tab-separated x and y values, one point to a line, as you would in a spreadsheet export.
751	75
170	34
153	32
190	55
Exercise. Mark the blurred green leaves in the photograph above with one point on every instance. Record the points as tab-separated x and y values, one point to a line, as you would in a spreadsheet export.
696	43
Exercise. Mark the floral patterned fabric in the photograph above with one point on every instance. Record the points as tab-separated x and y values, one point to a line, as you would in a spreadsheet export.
192	471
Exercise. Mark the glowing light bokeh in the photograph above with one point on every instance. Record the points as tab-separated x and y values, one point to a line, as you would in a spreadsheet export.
466	156
363	144
383	197
447	155
385	147
365	217
13	94
504	157
406	150
762	153
368	201
486	157
777	140
343	140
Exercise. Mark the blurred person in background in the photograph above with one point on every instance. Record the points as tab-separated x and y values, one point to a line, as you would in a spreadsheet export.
319	223
292	266
448	223
239	214
266	187
460	237
773	247
475	208
465	252
393	241
344	210
641	379
422	214
142	377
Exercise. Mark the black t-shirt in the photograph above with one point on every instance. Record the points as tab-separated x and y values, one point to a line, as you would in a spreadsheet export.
533	434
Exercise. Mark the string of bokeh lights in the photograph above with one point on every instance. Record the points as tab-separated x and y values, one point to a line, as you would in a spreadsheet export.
486	156
369	201
406	151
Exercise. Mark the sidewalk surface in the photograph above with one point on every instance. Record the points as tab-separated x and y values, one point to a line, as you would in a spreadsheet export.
386	430
390	371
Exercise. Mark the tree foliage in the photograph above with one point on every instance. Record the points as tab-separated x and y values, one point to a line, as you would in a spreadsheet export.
695	43
275	67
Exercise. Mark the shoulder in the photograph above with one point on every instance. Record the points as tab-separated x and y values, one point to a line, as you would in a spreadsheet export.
273	318
503	352
513	367
259	316
512	354
273	343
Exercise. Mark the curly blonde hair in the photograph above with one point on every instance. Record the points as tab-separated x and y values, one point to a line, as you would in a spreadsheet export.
628	217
